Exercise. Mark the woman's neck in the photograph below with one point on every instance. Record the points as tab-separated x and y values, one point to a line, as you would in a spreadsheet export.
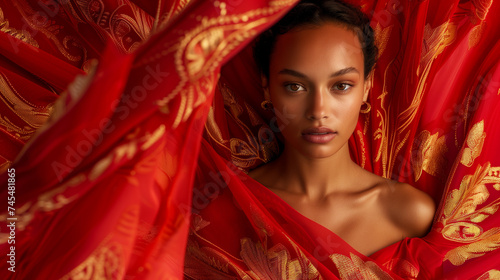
314	178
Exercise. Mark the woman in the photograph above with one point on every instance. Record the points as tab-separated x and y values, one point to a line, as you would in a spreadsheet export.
318	70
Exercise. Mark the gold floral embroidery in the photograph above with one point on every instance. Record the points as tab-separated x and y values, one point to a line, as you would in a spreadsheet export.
482	7
363	149
402	268
435	41
490	241
490	275
212	262
476	34
353	267
174	9
213	130
275	263
255	147
382	37
462	213
392	141
202	261
429	154
104	263
475	141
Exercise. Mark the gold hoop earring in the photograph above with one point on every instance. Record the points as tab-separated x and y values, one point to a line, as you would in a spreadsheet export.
266	105
367	109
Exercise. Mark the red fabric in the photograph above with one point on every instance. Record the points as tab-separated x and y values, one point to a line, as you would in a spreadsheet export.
105	189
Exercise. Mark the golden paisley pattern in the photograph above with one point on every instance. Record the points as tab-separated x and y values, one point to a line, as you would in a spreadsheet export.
354	268
428	154
475	142
465	208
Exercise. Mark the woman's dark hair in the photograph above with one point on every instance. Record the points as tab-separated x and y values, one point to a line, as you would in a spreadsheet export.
316	13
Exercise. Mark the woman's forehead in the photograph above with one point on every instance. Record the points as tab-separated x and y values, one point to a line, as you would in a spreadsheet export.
329	45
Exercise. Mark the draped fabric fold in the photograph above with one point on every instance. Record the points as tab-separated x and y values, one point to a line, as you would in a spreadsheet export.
137	168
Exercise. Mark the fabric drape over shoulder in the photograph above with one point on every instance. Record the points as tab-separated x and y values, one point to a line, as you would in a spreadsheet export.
137	168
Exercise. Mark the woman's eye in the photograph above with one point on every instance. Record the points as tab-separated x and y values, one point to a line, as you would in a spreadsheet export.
342	86
294	87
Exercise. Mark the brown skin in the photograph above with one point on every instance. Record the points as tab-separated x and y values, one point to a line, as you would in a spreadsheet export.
317	81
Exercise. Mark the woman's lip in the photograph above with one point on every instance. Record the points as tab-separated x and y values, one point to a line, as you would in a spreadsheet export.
318	135
319	138
316	130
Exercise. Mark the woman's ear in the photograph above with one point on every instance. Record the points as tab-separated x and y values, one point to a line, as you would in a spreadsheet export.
368	86
265	86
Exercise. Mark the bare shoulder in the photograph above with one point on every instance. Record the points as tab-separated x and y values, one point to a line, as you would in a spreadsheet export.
409	209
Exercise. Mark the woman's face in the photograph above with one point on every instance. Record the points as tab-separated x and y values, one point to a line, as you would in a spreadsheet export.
316	84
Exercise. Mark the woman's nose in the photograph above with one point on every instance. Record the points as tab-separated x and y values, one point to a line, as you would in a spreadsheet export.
317	108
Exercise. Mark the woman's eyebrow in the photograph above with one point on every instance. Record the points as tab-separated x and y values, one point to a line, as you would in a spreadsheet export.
292	73
345	71
302	75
